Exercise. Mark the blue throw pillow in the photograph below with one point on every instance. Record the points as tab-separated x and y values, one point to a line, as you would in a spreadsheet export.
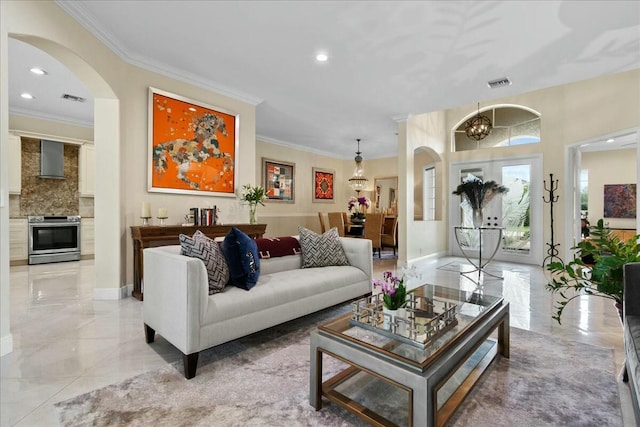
242	257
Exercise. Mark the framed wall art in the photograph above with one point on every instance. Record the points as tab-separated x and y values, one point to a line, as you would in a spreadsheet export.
323	185
620	201
192	146
278	180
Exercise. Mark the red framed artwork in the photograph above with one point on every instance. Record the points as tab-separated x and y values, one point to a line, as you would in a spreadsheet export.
192	146
323	190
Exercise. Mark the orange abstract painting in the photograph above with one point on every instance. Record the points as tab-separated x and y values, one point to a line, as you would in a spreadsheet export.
193	147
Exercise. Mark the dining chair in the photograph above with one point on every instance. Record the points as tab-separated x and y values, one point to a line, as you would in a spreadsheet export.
336	220
373	231
323	228
390	233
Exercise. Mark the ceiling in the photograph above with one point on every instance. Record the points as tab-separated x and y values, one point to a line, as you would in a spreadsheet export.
387	59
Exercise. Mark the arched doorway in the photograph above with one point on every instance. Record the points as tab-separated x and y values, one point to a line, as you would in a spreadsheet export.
106	138
108	212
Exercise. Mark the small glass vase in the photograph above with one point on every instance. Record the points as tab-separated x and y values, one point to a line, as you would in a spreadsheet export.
477	218
252	214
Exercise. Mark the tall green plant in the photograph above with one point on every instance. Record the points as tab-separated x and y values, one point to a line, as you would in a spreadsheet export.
604	278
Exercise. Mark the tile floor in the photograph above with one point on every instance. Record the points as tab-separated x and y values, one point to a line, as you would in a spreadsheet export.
65	343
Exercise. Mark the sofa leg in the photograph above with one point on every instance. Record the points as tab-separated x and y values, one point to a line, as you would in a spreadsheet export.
190	362
149	333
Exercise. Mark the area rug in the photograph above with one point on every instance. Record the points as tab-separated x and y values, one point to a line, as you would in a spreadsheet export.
263	380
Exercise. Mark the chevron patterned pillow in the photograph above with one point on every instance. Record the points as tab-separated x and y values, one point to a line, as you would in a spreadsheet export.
201	247
321	251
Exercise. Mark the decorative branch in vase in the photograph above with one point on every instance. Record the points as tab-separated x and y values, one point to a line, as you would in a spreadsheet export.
253	196
477	194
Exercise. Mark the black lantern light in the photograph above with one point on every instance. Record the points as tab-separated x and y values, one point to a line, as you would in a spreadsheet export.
478	127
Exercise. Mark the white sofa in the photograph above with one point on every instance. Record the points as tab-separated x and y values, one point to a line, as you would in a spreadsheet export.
178	306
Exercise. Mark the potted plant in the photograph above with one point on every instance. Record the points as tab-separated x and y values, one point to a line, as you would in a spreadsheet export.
603	278
394	296
252	196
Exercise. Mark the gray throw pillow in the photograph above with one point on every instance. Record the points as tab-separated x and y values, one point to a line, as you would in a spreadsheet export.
321	251
201	247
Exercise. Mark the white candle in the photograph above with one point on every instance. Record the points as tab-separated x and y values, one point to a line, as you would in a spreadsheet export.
146	210
162	213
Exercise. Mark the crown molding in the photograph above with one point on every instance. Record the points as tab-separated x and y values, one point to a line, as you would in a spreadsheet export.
80	13
51	117
297	147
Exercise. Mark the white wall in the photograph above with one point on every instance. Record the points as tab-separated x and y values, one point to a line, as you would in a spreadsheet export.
6	339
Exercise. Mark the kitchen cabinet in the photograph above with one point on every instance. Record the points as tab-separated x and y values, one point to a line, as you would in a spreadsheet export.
86	171
87	239
18	239
14	153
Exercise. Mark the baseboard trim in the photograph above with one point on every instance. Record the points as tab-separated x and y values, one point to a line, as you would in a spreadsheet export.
112	293
6	344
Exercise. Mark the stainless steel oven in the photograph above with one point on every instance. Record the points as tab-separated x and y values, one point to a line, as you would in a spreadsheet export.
54	239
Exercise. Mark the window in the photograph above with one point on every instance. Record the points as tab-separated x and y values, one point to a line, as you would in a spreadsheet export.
512	126
429	179
584	190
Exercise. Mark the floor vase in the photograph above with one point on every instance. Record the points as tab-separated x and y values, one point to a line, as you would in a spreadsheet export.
477	218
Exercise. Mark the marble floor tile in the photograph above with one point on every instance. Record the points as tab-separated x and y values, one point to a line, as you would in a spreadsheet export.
66	343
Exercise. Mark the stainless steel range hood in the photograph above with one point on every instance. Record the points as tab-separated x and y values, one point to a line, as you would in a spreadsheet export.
51	159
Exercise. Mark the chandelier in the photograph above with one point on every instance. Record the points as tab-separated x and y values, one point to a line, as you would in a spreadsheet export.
358	181
478	127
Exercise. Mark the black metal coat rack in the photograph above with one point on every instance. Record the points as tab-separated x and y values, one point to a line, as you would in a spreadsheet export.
551	198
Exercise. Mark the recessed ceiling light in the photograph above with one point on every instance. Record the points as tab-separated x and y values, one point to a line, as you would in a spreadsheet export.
192	109
321	57
38	71
610	140
27	95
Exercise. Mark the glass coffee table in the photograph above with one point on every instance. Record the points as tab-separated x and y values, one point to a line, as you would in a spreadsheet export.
417	371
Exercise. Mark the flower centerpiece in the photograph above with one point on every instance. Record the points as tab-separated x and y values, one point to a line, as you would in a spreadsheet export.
358	206
477	194
252	196
394	293
394	297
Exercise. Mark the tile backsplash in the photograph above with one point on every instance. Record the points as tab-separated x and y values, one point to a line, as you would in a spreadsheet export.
43	196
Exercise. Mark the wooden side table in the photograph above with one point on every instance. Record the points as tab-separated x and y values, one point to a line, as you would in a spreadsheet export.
151	236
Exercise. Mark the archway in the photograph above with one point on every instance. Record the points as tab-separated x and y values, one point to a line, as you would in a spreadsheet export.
109	239
108	244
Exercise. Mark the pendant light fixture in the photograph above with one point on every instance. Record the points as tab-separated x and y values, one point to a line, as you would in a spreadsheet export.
358	181
478	127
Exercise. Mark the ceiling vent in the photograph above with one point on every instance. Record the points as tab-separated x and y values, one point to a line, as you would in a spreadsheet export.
503	81
73	98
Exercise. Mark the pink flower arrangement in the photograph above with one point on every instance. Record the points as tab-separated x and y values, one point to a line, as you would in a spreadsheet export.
394	294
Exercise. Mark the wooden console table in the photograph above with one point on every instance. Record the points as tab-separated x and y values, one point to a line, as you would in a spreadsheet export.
151	236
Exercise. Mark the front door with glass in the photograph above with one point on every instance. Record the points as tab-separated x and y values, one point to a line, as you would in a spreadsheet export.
518	211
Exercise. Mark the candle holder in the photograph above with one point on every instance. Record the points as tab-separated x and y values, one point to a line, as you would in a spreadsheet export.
163	220
145	220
